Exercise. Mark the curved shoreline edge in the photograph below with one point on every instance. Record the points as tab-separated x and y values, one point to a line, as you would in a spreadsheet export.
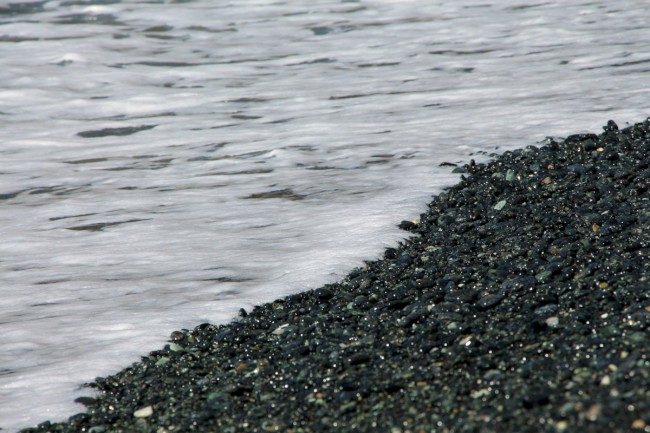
522	304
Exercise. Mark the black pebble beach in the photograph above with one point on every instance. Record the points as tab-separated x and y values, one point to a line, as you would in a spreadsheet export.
520	304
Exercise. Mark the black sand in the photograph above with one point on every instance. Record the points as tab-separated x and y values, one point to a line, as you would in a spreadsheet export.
521	305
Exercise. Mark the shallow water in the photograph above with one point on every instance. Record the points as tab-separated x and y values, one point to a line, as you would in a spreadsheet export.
165	163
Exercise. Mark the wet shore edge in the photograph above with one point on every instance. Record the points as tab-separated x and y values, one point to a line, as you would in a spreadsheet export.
520	304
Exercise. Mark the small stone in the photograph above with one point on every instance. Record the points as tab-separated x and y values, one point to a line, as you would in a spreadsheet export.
491	375
480	393
489	301
404	260
177	336
594	411
323	294
280	329
461	295
552	321
554	251
360	301
390	253
359	358
611	126
543	275
547	180
215	396
238	390
144	412
561	425
446	219
538	398
86	401
500	205
411	319
638	424
426	283
407	225
546	310
348	407
637	337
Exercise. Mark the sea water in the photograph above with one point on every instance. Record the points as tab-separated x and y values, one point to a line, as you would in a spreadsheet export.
165	163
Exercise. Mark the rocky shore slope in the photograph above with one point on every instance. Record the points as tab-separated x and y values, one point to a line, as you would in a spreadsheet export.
521	304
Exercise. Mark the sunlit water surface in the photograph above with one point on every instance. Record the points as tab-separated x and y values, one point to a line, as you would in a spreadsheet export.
165	163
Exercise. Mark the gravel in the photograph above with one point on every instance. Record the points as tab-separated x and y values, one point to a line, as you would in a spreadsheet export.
520	304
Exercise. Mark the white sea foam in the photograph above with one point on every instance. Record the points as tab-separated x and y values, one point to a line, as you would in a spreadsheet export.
347	108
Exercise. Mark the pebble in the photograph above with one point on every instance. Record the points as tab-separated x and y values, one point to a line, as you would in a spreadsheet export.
546	310
144	412
552	321
323	294
489	301
280	329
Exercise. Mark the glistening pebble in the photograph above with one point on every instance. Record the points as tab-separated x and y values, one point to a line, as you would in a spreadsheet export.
521	304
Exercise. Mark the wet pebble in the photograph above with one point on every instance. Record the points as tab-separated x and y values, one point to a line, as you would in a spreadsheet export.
546	310
489	301
323	294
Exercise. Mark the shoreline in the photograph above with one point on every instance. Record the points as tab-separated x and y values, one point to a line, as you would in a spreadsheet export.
521	304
